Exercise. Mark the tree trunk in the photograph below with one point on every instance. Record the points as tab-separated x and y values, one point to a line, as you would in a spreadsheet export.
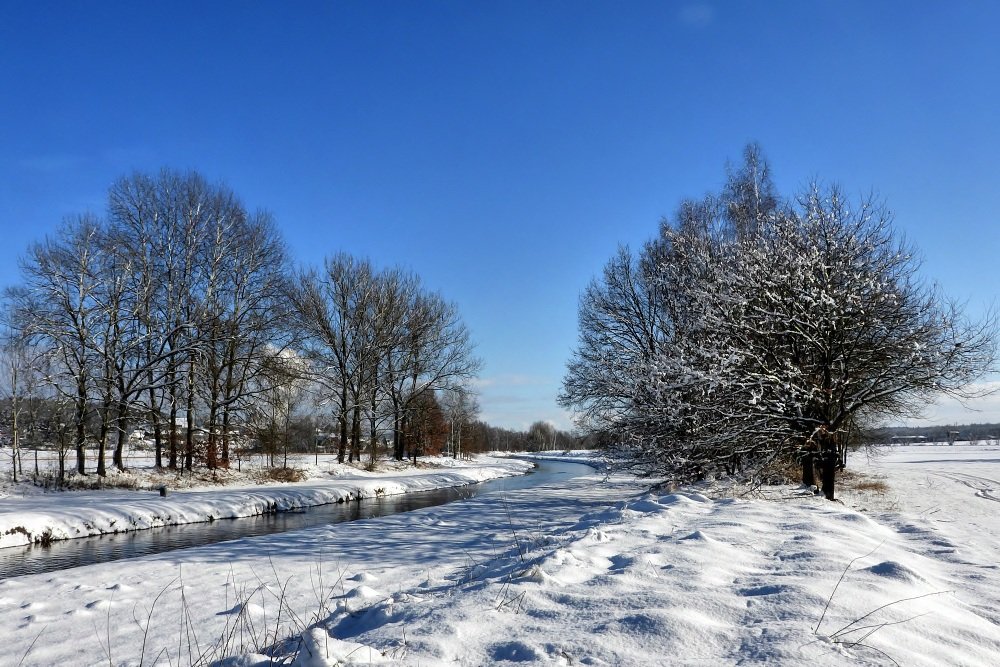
342	418
102	445
225	438
62	458
119	458
154	416
342	447
16	441
81	423
828	464
172	444
355	454
808	469
397	439
211	454
189	434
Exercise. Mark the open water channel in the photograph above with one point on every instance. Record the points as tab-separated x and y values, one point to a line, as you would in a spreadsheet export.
36	559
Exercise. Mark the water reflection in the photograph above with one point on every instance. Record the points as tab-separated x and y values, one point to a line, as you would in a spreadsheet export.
65	554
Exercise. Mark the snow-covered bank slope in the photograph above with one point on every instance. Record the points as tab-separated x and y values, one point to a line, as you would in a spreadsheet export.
66	515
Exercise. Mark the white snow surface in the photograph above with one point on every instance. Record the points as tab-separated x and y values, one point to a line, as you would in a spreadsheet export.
594	571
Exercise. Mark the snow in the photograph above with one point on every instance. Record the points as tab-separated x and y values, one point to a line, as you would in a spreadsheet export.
593	571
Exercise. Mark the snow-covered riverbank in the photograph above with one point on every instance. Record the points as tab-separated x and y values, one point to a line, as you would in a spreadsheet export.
594	571
29	516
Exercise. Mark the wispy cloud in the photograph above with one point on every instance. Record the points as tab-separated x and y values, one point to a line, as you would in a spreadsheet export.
511	380
518	400
697	15
118	158
983	410
53	163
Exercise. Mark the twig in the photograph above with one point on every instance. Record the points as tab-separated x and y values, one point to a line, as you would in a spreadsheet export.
889	604
878	650
510	522
842	575
149	618
32	645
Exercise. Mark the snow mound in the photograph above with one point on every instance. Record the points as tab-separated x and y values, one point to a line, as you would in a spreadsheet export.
537	575
697	536
647	506
364	592
319	649
893	570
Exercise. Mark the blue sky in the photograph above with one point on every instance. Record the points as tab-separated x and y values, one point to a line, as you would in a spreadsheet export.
502	150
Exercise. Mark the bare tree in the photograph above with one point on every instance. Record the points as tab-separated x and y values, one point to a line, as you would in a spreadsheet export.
329	308
433	352
426	427
244	315
461	408
378	342
18	386
825	321
278	390
57	312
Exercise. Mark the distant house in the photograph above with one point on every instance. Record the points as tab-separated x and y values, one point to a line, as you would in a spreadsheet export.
907	439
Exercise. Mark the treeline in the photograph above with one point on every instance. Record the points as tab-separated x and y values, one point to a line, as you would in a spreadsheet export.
757	329
971	433
178	311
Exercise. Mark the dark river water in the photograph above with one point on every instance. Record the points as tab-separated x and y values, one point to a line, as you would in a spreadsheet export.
36	559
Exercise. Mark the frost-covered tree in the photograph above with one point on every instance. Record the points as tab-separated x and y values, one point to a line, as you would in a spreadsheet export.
780	327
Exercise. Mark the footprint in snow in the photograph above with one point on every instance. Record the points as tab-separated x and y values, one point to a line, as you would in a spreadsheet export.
515	651
772	589
621	563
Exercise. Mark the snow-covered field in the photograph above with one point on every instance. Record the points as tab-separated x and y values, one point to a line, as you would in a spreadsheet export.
592	572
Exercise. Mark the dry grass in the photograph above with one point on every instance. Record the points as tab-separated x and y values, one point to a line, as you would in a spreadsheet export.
855	481
871	486
866	492
280	475
782	472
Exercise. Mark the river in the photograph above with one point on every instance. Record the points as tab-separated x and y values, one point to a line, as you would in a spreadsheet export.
61	555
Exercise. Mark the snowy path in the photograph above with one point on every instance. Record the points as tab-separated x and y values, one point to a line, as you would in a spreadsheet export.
984	488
